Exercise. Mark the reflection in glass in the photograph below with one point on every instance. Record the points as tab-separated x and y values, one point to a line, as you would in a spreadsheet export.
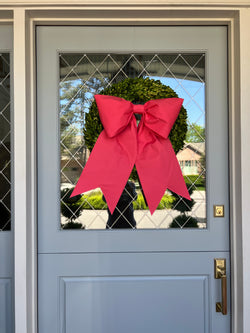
84	75
123	215
5	146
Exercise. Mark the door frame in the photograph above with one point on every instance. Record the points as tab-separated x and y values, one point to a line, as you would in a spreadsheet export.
25	21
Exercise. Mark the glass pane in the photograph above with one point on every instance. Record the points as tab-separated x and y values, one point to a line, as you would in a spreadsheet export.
84	75
5	144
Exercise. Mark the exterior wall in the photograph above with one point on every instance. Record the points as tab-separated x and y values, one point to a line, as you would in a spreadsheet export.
24	15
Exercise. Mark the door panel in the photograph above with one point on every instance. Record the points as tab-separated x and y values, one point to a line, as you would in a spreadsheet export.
157	292
137	280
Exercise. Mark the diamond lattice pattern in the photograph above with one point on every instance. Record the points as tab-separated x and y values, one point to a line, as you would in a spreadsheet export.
84	75
5	145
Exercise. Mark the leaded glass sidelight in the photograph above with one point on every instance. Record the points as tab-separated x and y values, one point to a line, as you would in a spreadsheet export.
5	143
84	75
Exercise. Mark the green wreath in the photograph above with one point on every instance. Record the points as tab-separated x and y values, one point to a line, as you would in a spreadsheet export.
137	90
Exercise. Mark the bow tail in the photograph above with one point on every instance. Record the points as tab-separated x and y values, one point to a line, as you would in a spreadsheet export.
158	170
108	167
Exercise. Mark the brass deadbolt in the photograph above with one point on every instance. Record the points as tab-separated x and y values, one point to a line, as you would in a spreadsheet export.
218	210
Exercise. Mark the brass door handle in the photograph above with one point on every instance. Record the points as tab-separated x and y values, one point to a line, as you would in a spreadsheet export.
222	306
220	273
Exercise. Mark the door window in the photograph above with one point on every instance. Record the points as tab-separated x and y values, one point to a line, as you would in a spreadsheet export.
84	75
5	143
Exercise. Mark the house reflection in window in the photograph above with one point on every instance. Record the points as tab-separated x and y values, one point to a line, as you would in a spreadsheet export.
190	158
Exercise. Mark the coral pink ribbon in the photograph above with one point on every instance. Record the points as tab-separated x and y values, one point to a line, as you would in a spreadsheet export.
122	144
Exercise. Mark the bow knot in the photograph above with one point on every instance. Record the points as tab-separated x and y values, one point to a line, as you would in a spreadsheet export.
138	108
122	144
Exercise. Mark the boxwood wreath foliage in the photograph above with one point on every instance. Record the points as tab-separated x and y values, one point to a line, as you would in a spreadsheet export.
136	90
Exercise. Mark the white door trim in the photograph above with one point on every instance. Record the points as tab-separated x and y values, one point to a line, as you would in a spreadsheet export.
25	149
20	169
245	160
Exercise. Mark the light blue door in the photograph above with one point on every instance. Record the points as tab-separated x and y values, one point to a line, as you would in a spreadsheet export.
156	275
6	221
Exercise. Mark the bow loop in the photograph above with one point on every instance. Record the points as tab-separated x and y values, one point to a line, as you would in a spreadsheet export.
161	115
115	113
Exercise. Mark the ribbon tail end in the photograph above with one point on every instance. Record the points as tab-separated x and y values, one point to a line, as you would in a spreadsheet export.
186	195
75	193
183	192
112	198
152	210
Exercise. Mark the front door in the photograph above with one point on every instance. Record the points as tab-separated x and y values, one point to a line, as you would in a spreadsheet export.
145	273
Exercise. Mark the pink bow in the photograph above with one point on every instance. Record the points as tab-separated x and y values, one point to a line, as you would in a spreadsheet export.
122	144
